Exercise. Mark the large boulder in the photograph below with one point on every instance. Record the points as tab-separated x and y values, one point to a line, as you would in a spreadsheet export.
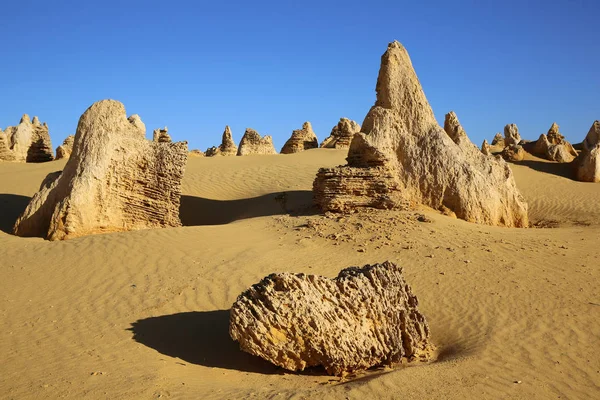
511	135
341	134
253	143
161	135
115	180
553	146
301	139
363	318
587	163
227	147
65	149
513	152
30	141
403	157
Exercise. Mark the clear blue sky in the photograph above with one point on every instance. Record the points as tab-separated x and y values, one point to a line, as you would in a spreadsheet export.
271	65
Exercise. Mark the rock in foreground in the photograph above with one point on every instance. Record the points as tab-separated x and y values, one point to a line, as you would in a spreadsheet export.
115	180
363	318
587	164
253	143
301	139
341	135
403	157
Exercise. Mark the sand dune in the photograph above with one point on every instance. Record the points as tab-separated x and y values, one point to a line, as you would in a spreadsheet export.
144	314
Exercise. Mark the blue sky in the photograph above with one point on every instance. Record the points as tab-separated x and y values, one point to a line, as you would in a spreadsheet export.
271	65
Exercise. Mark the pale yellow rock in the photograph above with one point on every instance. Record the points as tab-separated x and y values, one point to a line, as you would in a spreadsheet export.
511	135
115	180
227	147
363	318
400	141
5	153
554	146
196	153
587	164
498	140
65	149
486	148
30	141
161	135
301	139
253	143
341	134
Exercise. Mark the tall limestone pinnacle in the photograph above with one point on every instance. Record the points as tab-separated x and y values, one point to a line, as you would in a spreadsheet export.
227	146
403	157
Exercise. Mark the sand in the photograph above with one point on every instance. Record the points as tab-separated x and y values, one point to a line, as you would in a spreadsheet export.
513	312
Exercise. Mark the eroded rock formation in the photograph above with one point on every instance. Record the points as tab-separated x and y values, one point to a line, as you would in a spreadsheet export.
486	149
513	152
196	153
227	147
253	143
5	153
553	146
29	141
363	318
511	135
301	139
115	180
65	149
161	135
453	128
403	157
587	163
341	134
498	140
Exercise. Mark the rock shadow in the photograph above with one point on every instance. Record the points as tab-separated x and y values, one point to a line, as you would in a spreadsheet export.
559	169
11	207
199	337
195	211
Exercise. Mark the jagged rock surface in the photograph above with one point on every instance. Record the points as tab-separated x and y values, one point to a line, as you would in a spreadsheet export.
301	139
227	147
401	139
587	163
511	135
30	141
553	146
363	318
341	135
253	143
161	135
65	149
486	149
453	128
115	180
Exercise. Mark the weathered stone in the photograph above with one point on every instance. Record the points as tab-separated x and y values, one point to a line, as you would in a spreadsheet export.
513	152
161	135
363	318
401	142
115	180
30	141
65	149
253	143
511	135
196	153
5	153
341	134
227	147
454	129
553	146
587	163
486	149
498	140
301	139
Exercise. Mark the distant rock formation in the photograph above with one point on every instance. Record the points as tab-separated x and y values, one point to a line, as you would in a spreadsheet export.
454	129
227	147
587	163
29	141
5	153
511	135
253	143
513	152
553	146
498	140
65	149
486	148
363	318
403	157
341	134
301	139
196	153
115	180
161	135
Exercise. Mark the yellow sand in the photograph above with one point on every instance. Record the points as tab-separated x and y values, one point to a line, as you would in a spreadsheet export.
145	314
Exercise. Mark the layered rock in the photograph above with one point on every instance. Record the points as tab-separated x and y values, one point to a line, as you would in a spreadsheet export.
486	149
341	134
30	141
161	135
65	149
511	135
587	163
363	318
253	143
115	180
301	139
227	147
401	142
553	146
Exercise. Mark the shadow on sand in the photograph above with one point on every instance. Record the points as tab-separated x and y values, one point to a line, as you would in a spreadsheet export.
11	206
199	338
195	211
559	169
